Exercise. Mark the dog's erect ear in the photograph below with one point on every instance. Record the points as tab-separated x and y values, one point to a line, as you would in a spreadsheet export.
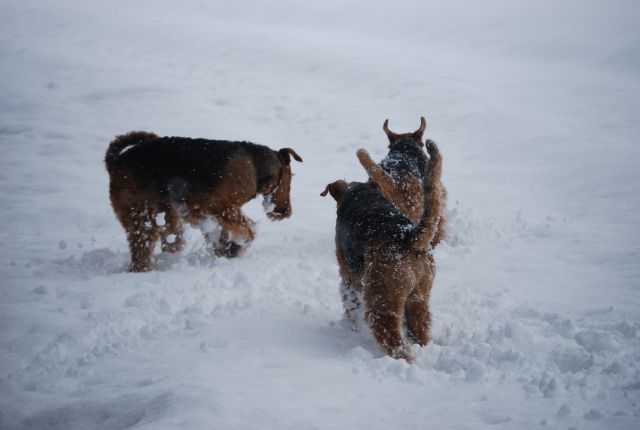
417	135
285	155
336	189
390	134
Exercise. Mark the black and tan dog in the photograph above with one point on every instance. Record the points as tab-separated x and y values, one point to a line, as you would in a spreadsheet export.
385	259
399	174
156	183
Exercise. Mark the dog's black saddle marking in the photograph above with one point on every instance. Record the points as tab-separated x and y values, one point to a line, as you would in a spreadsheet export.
365	216
178	166
405	157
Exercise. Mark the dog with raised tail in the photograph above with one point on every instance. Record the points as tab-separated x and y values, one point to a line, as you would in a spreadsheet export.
157	183
385	259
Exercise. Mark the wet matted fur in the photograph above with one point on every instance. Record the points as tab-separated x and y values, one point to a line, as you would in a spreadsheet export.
386	259
195	181
399	174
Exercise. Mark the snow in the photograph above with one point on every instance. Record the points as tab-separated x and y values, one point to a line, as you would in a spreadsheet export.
536	304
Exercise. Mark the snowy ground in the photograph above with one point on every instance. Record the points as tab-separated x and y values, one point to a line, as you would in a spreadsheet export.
536	304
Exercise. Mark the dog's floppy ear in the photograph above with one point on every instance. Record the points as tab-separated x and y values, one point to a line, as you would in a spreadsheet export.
337	190
417	135
285	155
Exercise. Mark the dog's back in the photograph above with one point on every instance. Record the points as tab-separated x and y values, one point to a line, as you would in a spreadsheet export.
365	218
405	158
178	166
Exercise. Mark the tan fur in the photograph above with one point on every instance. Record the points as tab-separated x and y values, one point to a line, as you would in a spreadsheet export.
394	288
438	192
406	195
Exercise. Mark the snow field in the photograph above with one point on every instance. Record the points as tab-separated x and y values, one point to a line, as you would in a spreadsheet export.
535	304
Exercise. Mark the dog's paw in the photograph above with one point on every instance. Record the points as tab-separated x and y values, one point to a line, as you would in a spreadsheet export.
277	216
403	352
364	157
230	250
432	149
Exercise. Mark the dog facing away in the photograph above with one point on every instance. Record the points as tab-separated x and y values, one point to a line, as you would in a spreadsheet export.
399	174
385	259
157	183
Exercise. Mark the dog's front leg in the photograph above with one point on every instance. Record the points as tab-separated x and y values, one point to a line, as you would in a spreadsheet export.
406	196
237	232
386	184
171	232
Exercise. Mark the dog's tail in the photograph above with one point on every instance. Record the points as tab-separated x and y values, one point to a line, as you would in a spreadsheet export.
426	228
123	141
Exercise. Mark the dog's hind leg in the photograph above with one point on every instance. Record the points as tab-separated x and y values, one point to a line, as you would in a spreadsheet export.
384	285
142	234
350	291
352	304
417	305
418	317
440	232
